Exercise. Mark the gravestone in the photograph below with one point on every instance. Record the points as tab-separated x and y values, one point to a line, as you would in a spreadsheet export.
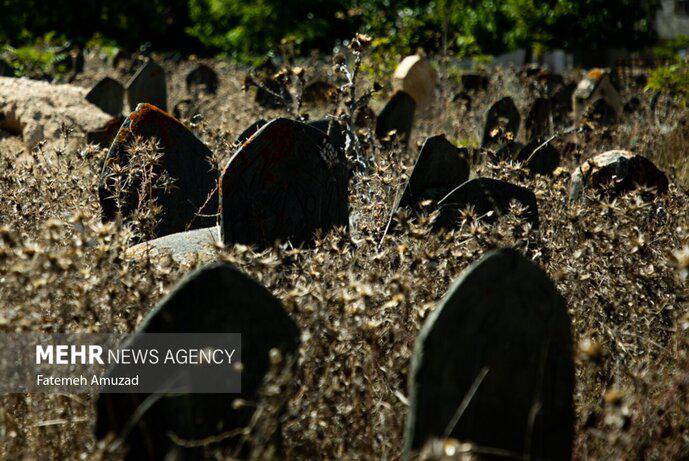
632	105
561	105
398	116
214	299
501	115
105	135
190	247
490	199
270	94
284	183
440	168
250	131
463	99
539	156
600	113
336	131
617	171
148	86
318	92
596	85
416	77
202	78
493	364
537	122
508	151
185	159
107	95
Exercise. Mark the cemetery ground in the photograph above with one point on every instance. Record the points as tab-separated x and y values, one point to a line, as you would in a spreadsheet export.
360	293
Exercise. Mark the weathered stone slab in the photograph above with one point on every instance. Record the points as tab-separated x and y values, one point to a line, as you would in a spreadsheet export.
185	159
416	77
596	85
215	299
189	247
398	116
537	122
202	78
493	364
107	95
540	157
440	168
503	115
149	86
284	183
490	199
618	172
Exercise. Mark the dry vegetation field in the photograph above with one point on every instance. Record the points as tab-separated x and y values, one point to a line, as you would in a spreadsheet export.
621	264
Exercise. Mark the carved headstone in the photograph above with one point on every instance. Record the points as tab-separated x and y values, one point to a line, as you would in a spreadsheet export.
149	86
502	116
490	199
493	364
284	183
107	95
415	76
215	299
398	116
185	160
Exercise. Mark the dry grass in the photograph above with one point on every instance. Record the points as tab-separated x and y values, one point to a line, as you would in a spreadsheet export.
360	305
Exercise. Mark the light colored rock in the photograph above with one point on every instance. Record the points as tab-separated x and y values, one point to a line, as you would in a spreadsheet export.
184	247
416	76
36	110
596	85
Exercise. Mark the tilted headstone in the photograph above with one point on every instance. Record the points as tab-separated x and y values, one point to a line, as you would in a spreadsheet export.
493	364
214	299
107	95
202	78
618	171
318	92
537	122
490	198
398	116
600	114
250	131
501	115
284	183
148	86
415	76
185	160
440	168
596	85
539	156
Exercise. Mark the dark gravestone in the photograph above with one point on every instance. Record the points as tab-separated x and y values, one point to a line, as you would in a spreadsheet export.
286	182
561	105
537	122
600	113
398	116
148	86
250	131
271	94
508	151
463	99
632	105
502	116
539	156
185	159
202	79
493	364
486	195
108	96
618	172
319	92
335	131
440	168
215	299
474	81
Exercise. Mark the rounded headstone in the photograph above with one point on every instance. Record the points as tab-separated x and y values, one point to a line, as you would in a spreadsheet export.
398	116
202	78
493	364
107	95
185	160
490	198
284	183
334	129
148	85
539	156
214	299
415	76
501	115
250	131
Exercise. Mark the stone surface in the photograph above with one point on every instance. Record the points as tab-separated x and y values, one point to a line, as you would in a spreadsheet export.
618	171
215	299
539	156
250	131
183	247
149	86
284	183
398	115
600	114
503	115
561	105
185	159
596	85
508	151
318	92
486	195
37	110
202	78
335	131
537	121
440	168
272	95
108	96
503	330
415	76
105	135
